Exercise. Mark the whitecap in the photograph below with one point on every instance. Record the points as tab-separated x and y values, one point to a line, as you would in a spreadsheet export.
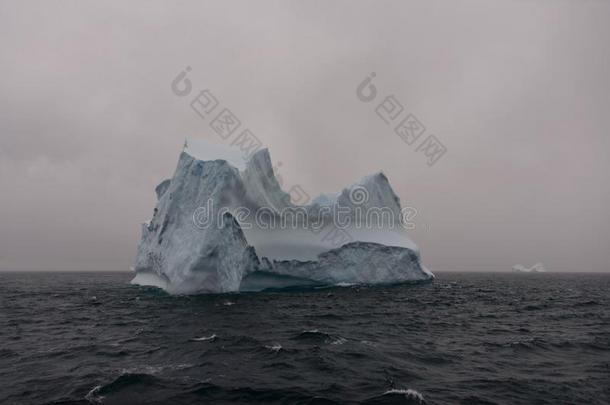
93	395
275	348
339	341
408	393
205	338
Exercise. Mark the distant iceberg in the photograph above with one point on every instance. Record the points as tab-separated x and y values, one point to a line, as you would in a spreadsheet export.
536	268
222	223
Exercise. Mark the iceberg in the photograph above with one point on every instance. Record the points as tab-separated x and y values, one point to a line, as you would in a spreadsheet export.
536	268
222	223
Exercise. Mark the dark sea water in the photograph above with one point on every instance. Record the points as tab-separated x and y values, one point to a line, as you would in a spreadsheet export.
470	338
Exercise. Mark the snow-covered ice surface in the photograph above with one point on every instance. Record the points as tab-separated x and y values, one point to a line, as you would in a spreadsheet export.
190	246
203	150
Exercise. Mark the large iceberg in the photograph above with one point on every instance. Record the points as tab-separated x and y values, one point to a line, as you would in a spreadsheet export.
222	223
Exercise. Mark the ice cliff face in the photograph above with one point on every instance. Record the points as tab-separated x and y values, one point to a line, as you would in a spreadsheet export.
174	254
194	242
352	263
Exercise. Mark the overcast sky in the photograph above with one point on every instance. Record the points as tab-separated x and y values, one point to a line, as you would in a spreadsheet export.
517	91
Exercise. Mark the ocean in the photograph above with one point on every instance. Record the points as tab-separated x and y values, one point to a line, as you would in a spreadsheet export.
466	338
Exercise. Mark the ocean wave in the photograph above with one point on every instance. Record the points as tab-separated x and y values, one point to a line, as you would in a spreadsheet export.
317	337
398	396
409	394
5	353
339	341
274	348
211	393
126	387
125	383
210	338
94	396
